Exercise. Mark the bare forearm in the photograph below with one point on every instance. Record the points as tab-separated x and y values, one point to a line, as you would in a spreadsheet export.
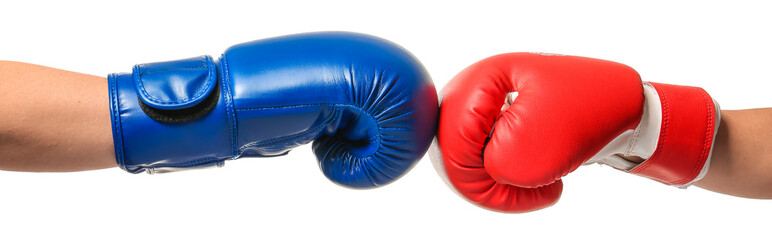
741	164
53	120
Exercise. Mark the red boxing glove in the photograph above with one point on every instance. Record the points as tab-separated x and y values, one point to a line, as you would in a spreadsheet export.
509	155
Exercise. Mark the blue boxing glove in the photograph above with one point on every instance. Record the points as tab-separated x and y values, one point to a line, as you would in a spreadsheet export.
367	104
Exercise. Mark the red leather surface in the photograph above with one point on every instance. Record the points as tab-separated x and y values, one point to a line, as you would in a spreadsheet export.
686	135
567	109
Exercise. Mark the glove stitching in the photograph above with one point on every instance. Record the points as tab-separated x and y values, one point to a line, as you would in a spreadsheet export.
293	136
117	134
665	101
229	105
167	69
706	142
144	92
315	129
291	106
187	164
633	142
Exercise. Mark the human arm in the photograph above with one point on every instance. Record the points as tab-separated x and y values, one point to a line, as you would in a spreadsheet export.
53	120
741	164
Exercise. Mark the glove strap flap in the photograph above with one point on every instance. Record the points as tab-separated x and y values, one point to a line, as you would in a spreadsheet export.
171	115
176	84
689	124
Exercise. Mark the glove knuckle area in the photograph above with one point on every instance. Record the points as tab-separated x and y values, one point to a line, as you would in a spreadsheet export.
520	153
477	186
381	101
346	150
385	130
536	141
470	108
478	177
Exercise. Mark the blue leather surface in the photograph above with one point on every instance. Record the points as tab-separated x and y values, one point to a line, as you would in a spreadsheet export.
369	106
175	84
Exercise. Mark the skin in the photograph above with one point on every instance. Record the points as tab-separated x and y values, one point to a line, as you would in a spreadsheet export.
741	164
53	120
58	121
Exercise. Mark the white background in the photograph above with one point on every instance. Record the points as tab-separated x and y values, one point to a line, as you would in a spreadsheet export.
723	47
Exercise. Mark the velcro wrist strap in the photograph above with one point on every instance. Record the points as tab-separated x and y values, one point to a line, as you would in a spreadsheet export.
175	85
687	131
177	91
171	115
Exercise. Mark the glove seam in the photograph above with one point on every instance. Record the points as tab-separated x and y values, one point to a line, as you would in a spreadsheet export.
291	106
167	69
229	105
187	164
315	129
706	142
117	134
631	148
662	138
290	137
